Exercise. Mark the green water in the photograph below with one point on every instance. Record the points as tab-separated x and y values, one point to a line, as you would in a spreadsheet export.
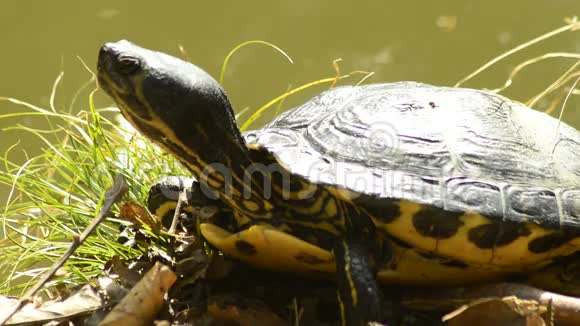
437	42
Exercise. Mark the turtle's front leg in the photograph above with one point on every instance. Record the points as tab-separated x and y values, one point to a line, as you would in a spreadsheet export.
358	254
359	295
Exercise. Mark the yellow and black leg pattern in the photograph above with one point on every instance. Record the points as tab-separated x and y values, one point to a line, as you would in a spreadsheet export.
164	195
358	293
357	254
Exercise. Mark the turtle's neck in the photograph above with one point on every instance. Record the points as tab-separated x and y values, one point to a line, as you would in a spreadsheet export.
184	110
213	149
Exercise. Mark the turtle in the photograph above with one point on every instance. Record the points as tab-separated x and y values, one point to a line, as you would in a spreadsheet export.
400	182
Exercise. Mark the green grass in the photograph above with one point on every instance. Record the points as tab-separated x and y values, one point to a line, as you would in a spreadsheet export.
55	194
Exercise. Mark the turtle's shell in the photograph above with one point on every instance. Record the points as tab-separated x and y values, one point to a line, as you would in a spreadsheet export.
461	150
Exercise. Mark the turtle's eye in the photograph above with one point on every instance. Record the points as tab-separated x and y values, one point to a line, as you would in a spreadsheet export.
128	65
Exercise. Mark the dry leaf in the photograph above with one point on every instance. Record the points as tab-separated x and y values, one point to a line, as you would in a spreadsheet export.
508	311
242	312
563	310
138	215
141	305
83	302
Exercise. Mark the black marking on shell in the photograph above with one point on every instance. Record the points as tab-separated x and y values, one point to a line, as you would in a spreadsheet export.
246	248
496	234
309	259
437	223
383	211
551	241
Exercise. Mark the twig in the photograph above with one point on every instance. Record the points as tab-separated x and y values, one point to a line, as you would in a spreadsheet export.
181	202
566	309
114	193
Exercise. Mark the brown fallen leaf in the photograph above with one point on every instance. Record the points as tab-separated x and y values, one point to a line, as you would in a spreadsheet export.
508	311
563	310
243	312
138	215
82	303
141	305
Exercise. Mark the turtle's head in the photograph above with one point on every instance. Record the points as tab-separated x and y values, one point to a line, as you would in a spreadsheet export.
174	103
